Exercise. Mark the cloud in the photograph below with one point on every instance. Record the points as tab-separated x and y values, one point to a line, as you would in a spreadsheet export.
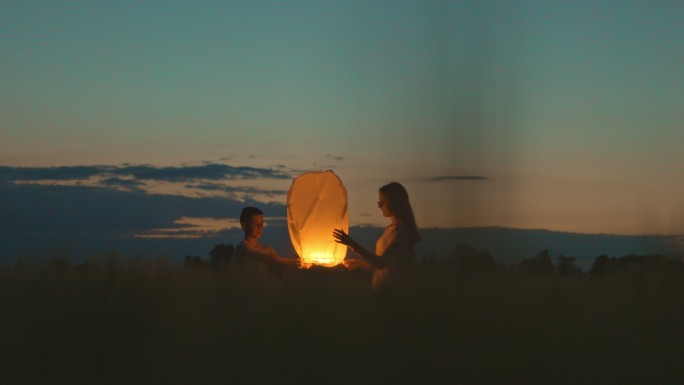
53	173
208	171
127	184
41	218
33	214
333	157
448	178
141	172
207	186
189	227
205	180
33	207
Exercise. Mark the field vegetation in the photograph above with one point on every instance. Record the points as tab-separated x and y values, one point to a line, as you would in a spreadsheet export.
460	320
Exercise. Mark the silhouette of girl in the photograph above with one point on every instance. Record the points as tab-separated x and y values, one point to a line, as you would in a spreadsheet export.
394	250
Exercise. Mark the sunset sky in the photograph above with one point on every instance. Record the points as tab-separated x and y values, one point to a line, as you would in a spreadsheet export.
565	116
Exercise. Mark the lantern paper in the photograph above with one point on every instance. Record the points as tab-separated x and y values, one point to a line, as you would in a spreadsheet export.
316	205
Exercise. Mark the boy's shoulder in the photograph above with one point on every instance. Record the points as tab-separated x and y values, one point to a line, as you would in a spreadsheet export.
244	248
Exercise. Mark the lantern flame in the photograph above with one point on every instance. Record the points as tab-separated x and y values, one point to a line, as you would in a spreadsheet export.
322	259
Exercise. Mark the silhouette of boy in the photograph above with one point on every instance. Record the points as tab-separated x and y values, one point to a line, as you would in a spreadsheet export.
250	253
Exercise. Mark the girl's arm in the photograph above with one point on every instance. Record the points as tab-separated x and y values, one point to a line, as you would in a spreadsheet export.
358	263
394	251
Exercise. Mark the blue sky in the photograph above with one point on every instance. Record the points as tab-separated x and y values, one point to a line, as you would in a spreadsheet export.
568	115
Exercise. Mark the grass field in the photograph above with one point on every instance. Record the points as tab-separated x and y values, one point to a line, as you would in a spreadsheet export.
118	322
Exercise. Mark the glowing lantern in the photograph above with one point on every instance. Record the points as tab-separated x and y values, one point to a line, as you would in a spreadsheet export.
316	205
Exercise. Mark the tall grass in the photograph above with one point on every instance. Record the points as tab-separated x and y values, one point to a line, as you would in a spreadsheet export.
118	322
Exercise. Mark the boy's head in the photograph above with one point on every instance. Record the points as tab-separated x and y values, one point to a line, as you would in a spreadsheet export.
252	222
248	212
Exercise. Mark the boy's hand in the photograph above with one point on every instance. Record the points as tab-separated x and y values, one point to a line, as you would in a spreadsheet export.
300	264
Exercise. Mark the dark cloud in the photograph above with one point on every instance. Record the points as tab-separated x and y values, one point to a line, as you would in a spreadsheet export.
208	171
83	221
36	217
447	178
333	157
140	172
130	184
234	189
29	208
53	173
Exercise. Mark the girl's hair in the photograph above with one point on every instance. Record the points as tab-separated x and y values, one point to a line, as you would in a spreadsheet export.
248	212
401	207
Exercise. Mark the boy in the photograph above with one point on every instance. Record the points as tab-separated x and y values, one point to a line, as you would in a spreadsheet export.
249	252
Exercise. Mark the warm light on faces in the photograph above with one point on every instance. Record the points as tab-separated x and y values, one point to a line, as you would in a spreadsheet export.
384	205
254	227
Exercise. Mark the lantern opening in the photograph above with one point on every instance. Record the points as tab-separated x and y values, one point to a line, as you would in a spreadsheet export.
323	259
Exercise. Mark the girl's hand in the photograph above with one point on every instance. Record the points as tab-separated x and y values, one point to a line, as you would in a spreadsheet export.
356	264
342	237
352	264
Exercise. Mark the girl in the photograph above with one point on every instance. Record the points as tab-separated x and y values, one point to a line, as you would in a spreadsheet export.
394	250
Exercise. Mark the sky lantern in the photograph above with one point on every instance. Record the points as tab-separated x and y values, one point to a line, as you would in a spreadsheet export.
316	205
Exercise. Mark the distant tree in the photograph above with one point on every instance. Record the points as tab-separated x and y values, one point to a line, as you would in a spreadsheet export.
468	260
636	263
429	262
656	262
566	266
84	266
195	263
541	264
221	255
601	264
58	264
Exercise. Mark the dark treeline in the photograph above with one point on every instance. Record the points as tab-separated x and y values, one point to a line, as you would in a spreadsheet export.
467	260
464	260
464	320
